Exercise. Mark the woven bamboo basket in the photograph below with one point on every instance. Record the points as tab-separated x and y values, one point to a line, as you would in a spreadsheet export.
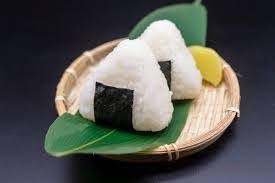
210	114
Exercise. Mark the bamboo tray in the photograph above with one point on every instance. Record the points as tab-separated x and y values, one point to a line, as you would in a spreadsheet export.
210	114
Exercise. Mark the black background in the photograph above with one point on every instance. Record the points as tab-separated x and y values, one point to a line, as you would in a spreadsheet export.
39	39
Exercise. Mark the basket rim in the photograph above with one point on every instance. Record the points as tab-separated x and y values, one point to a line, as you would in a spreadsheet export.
229	77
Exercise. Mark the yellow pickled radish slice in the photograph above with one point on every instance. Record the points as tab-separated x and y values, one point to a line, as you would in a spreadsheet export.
209	63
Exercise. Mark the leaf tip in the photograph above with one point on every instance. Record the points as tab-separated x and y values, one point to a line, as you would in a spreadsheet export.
197	2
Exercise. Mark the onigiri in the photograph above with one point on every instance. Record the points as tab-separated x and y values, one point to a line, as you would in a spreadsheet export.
128	90
168	45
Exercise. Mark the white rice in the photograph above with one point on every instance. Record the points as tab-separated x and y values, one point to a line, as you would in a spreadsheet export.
132	65
167	43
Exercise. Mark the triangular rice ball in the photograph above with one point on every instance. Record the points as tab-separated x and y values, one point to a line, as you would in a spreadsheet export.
128	90
167	44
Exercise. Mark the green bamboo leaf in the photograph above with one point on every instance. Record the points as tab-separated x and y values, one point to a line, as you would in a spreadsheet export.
70	134
191	20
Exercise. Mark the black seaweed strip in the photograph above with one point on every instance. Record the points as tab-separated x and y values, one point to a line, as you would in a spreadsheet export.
113	106
165	67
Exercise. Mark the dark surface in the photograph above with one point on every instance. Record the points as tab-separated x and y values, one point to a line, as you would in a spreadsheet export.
165	67
39	39
113	106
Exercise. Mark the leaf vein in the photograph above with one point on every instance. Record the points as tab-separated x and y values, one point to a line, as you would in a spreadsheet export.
85	145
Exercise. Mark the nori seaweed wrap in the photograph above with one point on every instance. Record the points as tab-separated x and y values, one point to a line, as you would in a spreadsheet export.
165	67
113	106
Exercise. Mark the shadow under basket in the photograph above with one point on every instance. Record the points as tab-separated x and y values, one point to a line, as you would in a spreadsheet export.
210	114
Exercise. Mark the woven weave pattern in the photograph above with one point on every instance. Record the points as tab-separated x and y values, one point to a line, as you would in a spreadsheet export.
210	114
